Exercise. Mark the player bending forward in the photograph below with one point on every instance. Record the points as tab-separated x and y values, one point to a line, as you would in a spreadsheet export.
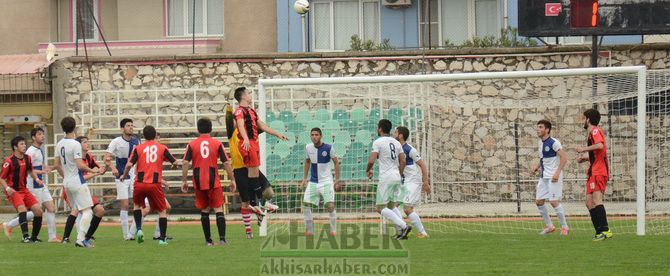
319	155
550	185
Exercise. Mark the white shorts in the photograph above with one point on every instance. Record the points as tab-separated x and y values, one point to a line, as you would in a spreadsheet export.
41	194
315	191
549	190
79	196
124	190
410	193
388	192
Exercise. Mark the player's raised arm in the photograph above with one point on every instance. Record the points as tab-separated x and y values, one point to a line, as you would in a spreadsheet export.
262	126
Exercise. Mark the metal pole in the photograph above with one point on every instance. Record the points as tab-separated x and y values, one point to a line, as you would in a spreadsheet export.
641	176
518	167
594	64
193	25
304	32
99	30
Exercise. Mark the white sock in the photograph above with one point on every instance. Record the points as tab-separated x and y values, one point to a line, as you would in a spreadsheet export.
124	223
333	221
15	221
157	232
397	212
133	227
77	222
560	213
51	224
309	221
392	216
86	216
416	220
545	215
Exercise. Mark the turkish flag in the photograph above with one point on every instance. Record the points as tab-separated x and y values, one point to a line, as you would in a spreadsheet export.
552	9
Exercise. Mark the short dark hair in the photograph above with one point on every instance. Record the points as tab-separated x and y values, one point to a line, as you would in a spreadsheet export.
149	132
239	92
404	131
593	115
385	125
34	131
81	138
545	123
124	121
204	125
16	140
68	124
317	130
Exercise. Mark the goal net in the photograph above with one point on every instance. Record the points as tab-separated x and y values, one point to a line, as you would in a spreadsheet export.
476	133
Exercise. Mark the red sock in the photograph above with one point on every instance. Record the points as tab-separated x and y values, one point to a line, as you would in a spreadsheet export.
246	219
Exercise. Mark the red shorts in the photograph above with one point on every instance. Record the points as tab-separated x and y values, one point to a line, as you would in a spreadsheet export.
64	195
154	192
212	198
22	197
252	157
596	183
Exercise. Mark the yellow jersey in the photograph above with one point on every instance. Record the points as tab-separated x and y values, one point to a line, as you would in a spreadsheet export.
235	155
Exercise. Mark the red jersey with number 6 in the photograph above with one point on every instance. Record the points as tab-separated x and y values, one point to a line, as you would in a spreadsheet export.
598	158
149	158
205	152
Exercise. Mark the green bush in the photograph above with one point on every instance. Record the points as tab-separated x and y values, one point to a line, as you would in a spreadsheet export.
357	44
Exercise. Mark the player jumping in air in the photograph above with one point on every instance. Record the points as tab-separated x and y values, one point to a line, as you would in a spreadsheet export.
416	180
598	173
391	167
149	157
205	152
321	185
15	170
550	185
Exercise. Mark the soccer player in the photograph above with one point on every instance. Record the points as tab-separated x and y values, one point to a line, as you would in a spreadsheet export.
15	170
319	155
120	149
550	185
391	167
149	157
249	126
249	195
70	165
205	152
416	180
98	209
598	173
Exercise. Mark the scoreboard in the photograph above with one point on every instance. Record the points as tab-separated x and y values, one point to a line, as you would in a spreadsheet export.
593	17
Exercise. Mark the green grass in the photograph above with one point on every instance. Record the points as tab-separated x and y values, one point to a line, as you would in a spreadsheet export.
450	253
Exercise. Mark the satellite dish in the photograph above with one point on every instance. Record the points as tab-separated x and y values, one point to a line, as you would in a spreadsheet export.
51	52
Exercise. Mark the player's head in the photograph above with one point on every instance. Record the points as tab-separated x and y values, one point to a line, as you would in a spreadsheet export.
68	124
401	133
127	126
315	134
204	126
83	140
591	117
384	127
242	94
37	135
19	144
149	133
543	128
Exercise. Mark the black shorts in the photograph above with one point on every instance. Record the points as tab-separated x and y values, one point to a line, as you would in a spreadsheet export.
247	192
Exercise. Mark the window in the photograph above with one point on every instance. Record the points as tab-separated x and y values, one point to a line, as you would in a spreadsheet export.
89	9
208	17
567	40
458	20
335	22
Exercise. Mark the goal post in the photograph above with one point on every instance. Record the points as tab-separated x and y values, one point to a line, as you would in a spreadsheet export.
464	125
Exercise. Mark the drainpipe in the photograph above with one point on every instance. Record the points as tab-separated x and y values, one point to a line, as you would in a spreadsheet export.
505	17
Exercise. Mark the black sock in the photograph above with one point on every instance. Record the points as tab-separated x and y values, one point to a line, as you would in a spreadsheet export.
594	220
23	221
37	226
162	223
602	219
69	224
95	221
221	225
204	220
137	214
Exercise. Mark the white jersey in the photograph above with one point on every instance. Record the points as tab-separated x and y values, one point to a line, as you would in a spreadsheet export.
412	171
121	150
69	150
37	157
388	149
320	162
549	159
